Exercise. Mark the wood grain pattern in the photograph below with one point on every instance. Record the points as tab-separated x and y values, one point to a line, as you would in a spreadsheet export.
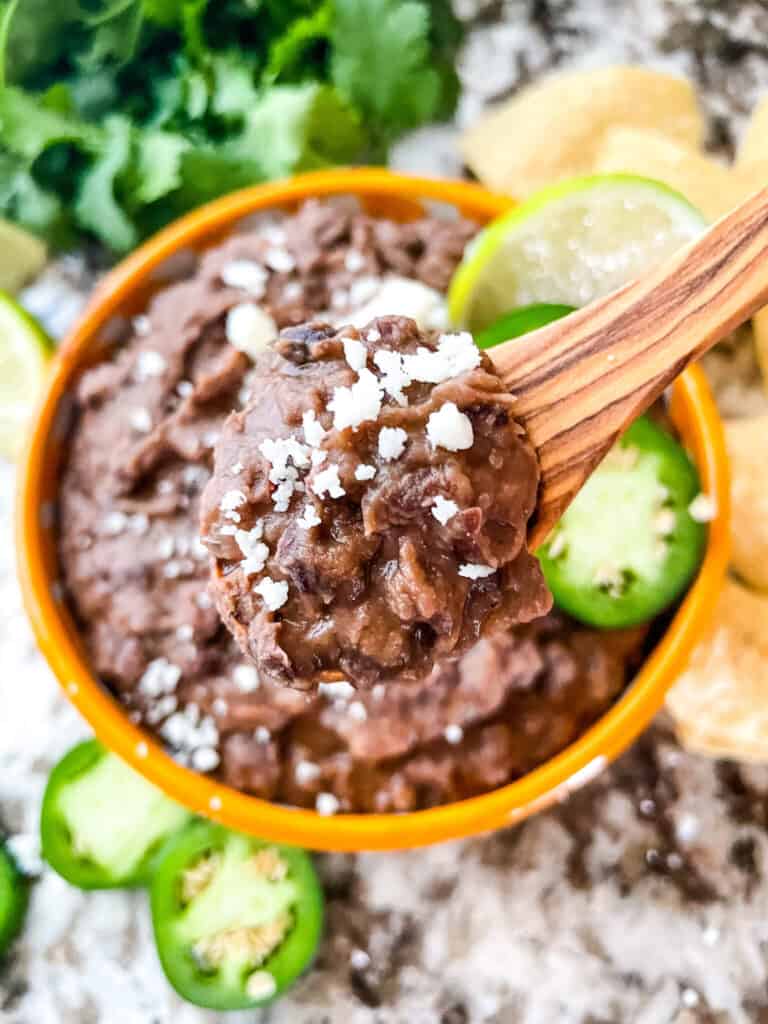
579	382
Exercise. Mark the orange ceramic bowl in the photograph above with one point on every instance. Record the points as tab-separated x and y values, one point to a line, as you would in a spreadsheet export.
123	293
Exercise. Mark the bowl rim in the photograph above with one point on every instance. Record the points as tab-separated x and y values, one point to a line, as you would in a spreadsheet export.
508	804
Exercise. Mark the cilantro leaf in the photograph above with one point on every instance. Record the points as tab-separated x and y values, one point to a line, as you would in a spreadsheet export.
97	206
37	34
158	170
298	128
381	63
29	124
288	53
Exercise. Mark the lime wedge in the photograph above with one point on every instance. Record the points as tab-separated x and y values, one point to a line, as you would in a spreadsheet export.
569	244
24	352
21	256
519	322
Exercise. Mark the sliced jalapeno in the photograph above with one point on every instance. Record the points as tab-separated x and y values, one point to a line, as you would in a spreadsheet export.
627	546
102	824
13	900
236	919
520	321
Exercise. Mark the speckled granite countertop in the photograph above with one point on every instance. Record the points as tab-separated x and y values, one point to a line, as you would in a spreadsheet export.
643	899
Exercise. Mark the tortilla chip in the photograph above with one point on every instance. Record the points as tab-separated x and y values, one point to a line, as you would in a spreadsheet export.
554	128
747	441
720	703
753	150
710	186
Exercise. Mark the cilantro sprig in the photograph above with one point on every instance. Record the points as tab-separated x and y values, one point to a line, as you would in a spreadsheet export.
118	115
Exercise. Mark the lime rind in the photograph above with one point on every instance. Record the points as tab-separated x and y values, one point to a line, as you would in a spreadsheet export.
24	352
540	223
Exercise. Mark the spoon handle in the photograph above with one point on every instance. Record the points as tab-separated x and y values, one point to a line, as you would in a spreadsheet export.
579	382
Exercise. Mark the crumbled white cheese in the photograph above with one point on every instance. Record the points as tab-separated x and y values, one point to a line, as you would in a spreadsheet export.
318	457
357	711
245	678
475	572
274	593
339	298
205	759
249	328
359	959
365	472
455	354
308	518
358	404
255	552
140	420
139	524
236	468
166	547
373	335
279	259
150	364
282	494
453	734
363	289
203	600
306	772
392	443
313	429
326	804
272	231
114	523
341	690
230	502
443	509
185	632
246	275
395	378
327	482
702	509
219	706
262	735
354	261
354	353
160	709
396	295
142	325
159	677
185	388
449	428
281	451
292	292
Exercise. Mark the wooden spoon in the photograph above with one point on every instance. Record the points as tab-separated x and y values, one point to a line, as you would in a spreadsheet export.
580	381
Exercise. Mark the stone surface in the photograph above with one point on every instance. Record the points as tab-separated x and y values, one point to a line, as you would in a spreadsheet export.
642	899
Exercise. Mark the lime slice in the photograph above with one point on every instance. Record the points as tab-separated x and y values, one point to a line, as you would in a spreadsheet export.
24	352
569	244
519	322
21	256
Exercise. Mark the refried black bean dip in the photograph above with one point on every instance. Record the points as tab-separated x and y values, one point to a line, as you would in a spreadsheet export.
137	574
368	508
